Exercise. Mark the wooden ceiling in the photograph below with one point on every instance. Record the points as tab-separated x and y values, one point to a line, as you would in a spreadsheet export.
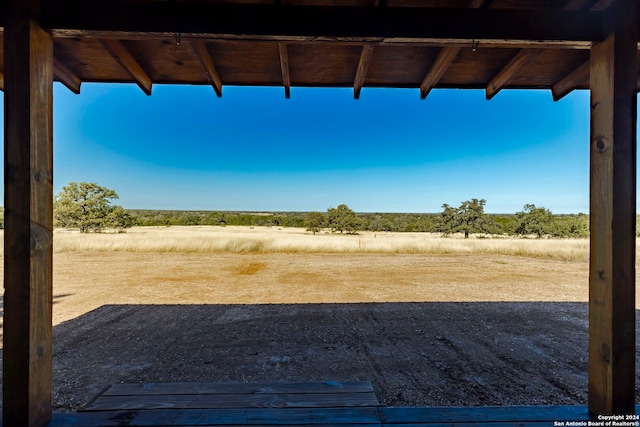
422	44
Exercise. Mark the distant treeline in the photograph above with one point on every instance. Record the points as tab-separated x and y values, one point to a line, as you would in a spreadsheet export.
570	225
576	225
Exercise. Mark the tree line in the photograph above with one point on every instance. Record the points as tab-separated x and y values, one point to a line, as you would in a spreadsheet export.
89	207
468	218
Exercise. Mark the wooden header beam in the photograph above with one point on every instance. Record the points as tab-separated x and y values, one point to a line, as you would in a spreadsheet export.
74	18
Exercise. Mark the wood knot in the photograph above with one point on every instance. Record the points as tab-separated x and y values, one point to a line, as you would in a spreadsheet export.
600	145
601	274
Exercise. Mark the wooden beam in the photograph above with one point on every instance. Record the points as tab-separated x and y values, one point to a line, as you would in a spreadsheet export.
612	347
602	4
201	51
442	62
579	4
363	67
1	81
284	68
120	53
268	22
571	81
502	79
28	164
475	4
66	77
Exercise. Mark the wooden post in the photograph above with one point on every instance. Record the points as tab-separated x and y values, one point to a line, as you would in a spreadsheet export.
613	211
28	175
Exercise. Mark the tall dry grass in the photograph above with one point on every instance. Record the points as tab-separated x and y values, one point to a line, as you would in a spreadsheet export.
264	239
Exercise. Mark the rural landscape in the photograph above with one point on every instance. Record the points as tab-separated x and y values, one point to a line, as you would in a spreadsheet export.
440	309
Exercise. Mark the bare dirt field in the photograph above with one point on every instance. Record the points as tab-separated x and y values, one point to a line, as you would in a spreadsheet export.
425	328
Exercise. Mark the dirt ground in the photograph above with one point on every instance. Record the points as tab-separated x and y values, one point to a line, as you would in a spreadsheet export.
438	330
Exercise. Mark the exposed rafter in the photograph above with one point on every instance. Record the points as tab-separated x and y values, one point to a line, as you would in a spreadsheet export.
442	62
73	18
525	57
66	77
571	81
120	53
445	58
201	51
363	66
284	68
502	79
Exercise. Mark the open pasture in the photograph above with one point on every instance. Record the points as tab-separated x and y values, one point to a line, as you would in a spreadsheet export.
429	321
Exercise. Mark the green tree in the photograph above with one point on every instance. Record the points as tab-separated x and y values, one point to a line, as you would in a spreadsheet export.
468	218
534	220
342	219
314	221
472	218
88	207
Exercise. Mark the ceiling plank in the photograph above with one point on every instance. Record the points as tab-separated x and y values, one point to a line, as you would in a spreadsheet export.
445	58
253	21
201	51
502	79
570	81
479	3
66	76
120	53
363	67
602	4
578	4
284	68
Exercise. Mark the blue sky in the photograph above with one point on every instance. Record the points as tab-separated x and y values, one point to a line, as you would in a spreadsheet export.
253	150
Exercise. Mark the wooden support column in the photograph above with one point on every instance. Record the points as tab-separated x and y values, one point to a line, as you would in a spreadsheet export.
613	210
28	177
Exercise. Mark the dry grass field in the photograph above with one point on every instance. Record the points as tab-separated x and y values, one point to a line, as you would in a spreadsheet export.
430	321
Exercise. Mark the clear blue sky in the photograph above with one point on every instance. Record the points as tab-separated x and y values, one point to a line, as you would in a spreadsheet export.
184	148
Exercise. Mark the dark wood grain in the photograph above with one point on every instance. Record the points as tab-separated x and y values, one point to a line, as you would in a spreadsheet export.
508	73
64	75
130	18
28	162
571	81
442	62
363	67
200	49
284	67
120	53
612	285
